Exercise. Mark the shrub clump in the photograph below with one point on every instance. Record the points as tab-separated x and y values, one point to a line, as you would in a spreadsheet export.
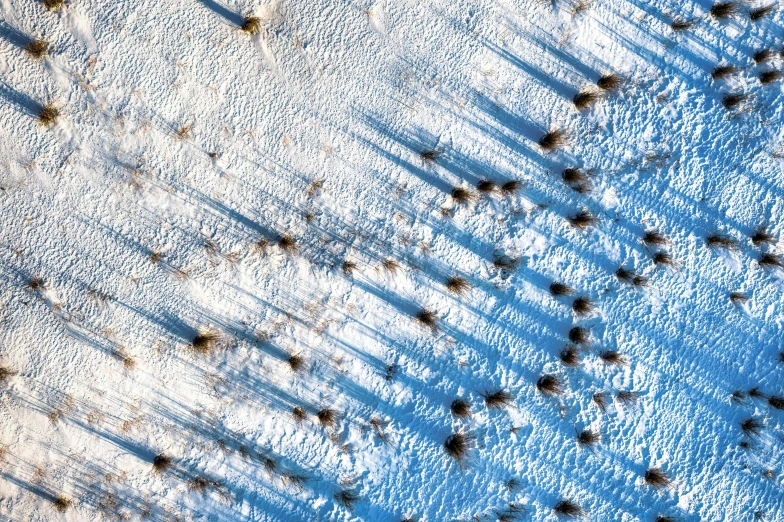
458	445
567	509
550	385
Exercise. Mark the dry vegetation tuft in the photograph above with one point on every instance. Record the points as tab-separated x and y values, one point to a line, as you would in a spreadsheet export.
553	140
550	385
37	48
770	260
427	318
48	115
251	24
584	99
658	479
460	408
722	10
583	219
457	285
583	306
568	509
205	341
558	289
761	12
53	5
161	463
458	445
498	399
609	82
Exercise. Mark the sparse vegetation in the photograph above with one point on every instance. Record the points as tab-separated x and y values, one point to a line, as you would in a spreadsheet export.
510	187
583	306
752	427
427	318
570	356
552	140
731	101
574	176
550	385
722	10
609	82
53	5
36	284
580	335
764	55
390	265
613	358
627	398
583	219
327	417
723	71
458	445
48	115
681	24
298	413
558	289
498	399
761	12
762	237
768	77
294	480
486	186
584	99
770	260
460	408
588	439
568	509
251	25
657	479
61	504
37	48
457	285
721	241
205	341
161	463
665	518
347	499
461	195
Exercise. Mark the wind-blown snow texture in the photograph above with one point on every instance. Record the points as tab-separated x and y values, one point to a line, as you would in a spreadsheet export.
182	142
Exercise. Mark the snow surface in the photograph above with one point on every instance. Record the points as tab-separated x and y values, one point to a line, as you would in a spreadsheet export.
349	94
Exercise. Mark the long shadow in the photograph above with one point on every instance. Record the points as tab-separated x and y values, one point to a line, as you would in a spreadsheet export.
228	15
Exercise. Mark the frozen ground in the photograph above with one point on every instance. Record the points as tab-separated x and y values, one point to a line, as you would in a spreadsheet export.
182	142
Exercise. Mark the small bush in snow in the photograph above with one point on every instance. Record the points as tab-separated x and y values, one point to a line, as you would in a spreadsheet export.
770	260
552	140
458	445
48	115
457	285
37	48
751	427
486	186
347	499
510	187
656	478
327	417
583	306
584	99
761	12
588	439
161	463
558	289
460	408
568	509
570	356
498	399
609	82
721	10
461	195
251	24
583	219
549	385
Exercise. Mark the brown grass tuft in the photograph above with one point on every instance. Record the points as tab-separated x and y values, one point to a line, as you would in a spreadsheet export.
770	260
583	306
461	195
327	417
53	5
550	385
251	25
458	445
721	72
510	187
583	219
61	504
554	139
498	399
427	318
658	479
761	12
48	115
161	463
37	48
570	356
568	509
613	358
205	341
768	77
558	289
584	99
486	186
609	82
457	285
460	408
722	10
